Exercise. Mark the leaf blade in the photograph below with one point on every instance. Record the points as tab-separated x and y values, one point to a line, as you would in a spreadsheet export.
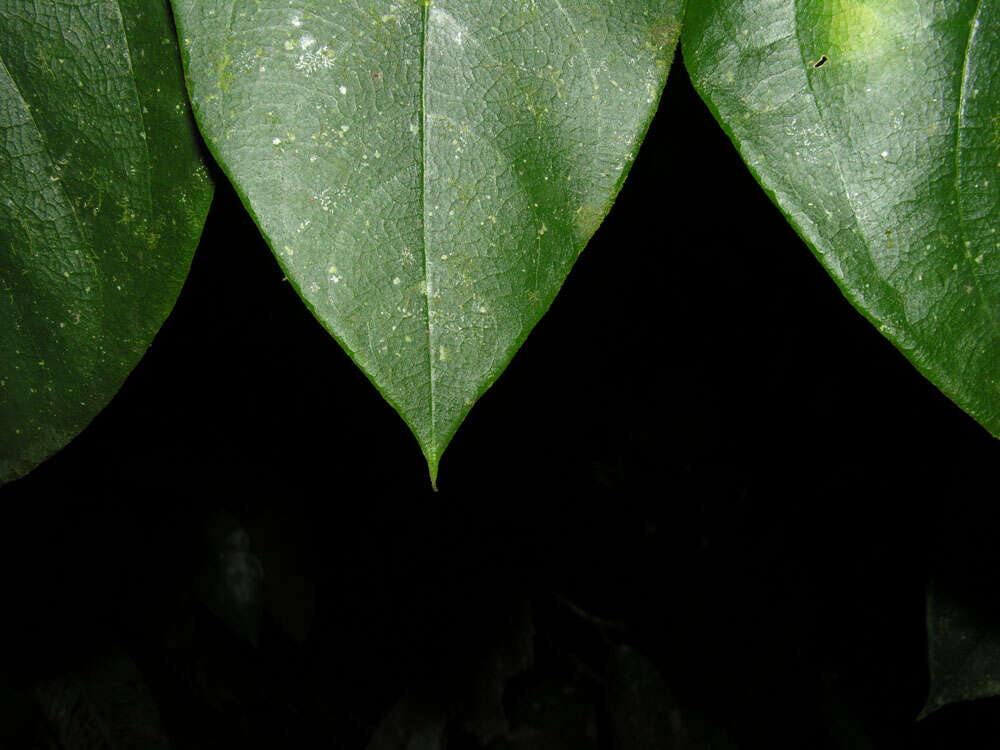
850	115
963	649
98	151
442	175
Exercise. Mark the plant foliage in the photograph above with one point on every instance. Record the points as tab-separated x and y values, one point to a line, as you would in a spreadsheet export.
427	173
103	195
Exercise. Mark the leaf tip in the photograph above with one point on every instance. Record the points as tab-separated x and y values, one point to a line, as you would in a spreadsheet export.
927	711
432	470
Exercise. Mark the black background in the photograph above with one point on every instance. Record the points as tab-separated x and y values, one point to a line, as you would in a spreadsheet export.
702	444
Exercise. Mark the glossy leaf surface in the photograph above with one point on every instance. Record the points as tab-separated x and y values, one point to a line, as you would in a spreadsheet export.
102	198
875	127
427	171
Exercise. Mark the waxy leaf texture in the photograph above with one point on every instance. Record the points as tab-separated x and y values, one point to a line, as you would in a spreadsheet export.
875	127
427	171
103	195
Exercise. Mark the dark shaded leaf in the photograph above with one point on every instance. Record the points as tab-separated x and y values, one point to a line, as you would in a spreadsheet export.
231	581
556	714
963	641
467	694
643	712
103	195
412	725
104	706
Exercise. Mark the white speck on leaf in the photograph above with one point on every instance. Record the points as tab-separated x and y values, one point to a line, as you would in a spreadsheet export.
313	61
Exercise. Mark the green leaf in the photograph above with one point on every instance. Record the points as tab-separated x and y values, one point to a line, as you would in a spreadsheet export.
963	641
875	127
102	198
427	171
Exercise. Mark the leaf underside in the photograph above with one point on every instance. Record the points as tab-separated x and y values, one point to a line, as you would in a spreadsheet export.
102	198
427	171
875	127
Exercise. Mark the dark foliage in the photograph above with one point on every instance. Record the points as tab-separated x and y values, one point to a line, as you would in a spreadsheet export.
698	511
